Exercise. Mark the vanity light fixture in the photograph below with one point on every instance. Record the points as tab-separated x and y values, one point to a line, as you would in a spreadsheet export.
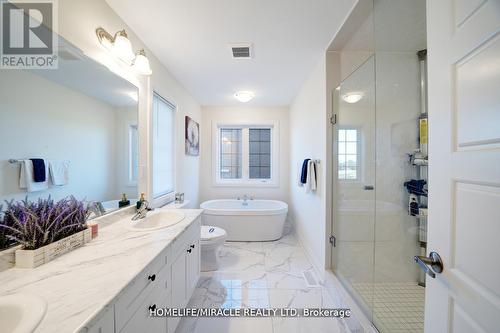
119	45
244	96
352	98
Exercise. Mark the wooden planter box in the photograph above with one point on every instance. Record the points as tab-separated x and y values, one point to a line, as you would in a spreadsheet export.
8	257
35	258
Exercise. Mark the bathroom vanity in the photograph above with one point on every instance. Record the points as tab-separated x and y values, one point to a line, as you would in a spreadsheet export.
110	284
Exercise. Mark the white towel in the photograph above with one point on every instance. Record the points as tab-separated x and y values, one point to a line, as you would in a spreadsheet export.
59	172
27	179
311	177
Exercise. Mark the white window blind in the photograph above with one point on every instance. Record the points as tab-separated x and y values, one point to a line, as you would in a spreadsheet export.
133	137
163	146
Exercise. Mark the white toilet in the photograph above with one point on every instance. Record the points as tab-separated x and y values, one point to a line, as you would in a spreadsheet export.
211	240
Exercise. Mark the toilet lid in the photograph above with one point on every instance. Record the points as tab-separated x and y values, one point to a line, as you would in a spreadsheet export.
209	233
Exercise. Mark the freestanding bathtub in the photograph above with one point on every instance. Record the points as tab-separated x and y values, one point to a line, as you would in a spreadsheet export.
259	220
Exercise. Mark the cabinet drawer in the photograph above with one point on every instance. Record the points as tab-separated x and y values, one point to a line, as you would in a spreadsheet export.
142	322
155	274
183	241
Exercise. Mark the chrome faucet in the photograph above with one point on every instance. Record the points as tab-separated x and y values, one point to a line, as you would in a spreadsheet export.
245	199
142	211
97	208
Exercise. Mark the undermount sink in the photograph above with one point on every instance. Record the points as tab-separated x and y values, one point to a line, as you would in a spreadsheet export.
21	313
157	220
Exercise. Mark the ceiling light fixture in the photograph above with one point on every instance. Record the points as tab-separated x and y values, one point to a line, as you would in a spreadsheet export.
119	46
352	98
244	96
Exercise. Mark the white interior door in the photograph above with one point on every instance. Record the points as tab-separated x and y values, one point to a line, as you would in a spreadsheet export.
464	159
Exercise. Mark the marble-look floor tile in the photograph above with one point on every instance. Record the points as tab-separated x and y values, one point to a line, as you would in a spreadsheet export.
296	298
255	278
291	259
289	239
285	280
307	325
260	275
227	325
235	257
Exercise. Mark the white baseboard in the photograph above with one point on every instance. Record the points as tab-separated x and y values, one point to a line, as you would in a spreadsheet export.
319	268
358	322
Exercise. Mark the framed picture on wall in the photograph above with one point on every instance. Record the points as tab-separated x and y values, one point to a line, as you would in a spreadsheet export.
192	137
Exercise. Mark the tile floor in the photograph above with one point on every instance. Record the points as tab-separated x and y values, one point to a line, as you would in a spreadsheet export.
260	275
397	307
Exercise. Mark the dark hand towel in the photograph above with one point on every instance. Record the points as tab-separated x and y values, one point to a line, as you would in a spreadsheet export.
39	175
303	174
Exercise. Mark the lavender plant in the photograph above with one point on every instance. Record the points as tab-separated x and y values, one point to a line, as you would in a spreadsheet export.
36	224
5	241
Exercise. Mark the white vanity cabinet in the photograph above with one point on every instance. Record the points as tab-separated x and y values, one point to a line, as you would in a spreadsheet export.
185	271
105	324
168	281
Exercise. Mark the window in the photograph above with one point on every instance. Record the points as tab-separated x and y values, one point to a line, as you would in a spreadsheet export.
260	153
230	153
245	154
133	163
163	147
348	154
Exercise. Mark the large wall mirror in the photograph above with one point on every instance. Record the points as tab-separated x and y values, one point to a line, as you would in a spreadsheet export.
78	124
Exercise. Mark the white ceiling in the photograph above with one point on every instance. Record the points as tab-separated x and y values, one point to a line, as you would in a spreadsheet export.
191	38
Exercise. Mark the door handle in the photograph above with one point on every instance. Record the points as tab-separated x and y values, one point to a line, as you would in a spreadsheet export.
368	188
431	264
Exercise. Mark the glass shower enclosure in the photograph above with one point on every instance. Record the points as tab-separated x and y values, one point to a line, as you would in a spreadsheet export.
380	154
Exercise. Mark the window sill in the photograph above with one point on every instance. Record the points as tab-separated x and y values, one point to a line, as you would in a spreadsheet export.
245	184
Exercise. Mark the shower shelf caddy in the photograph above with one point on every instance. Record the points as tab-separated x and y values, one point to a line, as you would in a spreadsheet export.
422	158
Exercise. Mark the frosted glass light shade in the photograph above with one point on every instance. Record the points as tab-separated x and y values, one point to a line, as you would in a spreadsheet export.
122	48
244	96
352	97
141	64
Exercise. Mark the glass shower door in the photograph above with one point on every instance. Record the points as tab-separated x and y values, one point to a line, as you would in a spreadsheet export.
354	153
398	285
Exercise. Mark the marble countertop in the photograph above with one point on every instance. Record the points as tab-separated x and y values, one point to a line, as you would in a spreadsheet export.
80	285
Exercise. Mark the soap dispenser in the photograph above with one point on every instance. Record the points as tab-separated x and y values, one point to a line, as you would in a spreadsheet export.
124	201
413	207
141	200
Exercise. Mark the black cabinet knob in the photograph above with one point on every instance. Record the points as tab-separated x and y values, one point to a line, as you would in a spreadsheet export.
152	307
152	277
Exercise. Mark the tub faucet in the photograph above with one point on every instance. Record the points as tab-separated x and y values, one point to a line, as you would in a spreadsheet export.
245	198
142	211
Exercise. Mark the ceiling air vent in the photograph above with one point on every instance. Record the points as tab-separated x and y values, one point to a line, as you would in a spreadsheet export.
241	51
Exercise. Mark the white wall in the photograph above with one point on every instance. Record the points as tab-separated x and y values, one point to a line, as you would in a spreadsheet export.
77	23
308	119
253	115
40	118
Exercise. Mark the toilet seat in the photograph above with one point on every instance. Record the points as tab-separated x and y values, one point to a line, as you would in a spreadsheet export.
211	235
